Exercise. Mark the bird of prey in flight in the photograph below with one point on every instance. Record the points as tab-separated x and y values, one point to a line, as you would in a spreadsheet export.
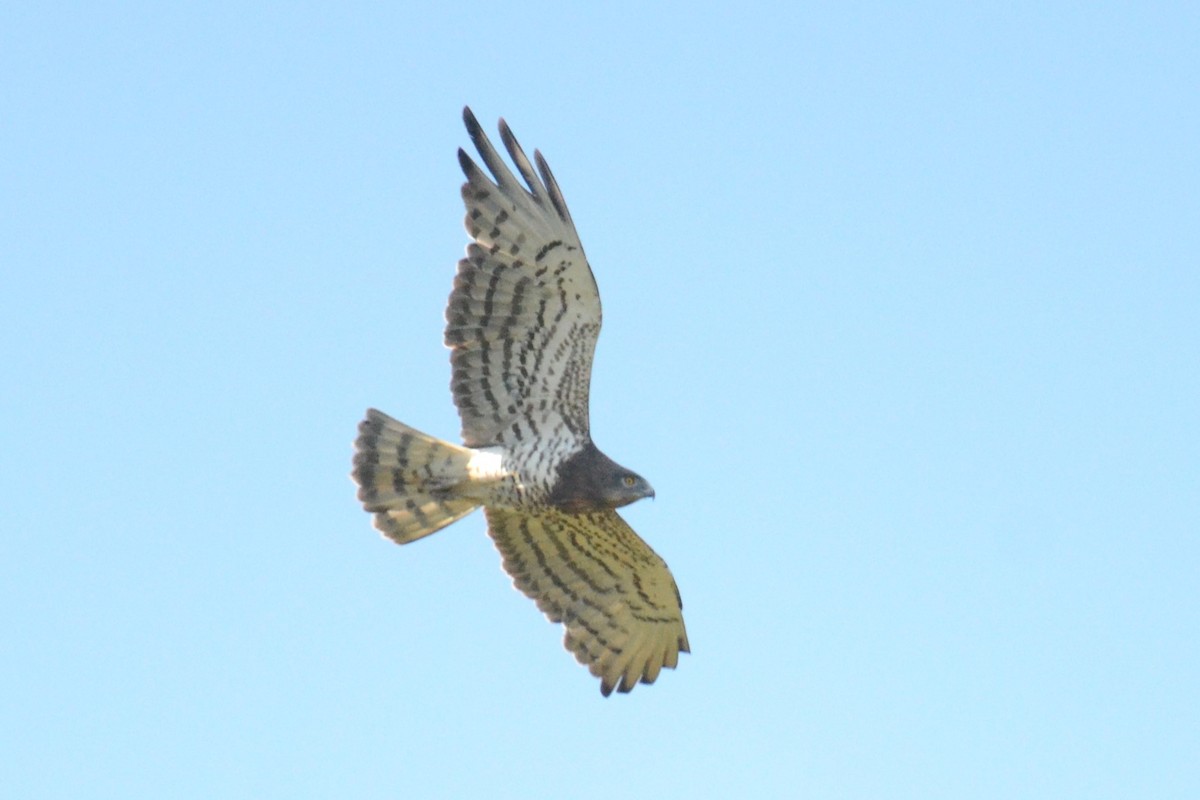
521	325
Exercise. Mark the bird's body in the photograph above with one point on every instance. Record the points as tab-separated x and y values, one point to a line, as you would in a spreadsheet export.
522	323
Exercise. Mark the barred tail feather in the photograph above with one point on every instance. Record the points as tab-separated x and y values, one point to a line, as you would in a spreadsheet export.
407	479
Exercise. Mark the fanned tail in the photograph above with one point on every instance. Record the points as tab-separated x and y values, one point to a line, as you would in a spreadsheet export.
407	479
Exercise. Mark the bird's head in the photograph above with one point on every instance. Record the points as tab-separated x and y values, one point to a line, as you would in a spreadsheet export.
626	487
590	481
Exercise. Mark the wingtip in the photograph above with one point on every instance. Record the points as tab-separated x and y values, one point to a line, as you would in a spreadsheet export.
465	162
510	140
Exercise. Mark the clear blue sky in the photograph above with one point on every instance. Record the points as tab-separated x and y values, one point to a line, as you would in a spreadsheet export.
902	321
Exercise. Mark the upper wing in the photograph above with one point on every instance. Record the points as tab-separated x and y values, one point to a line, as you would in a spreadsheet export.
591	572
524	314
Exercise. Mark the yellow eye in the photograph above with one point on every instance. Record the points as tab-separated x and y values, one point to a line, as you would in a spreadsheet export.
629	480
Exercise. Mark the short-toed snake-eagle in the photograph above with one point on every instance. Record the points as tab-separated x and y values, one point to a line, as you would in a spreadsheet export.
521	325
